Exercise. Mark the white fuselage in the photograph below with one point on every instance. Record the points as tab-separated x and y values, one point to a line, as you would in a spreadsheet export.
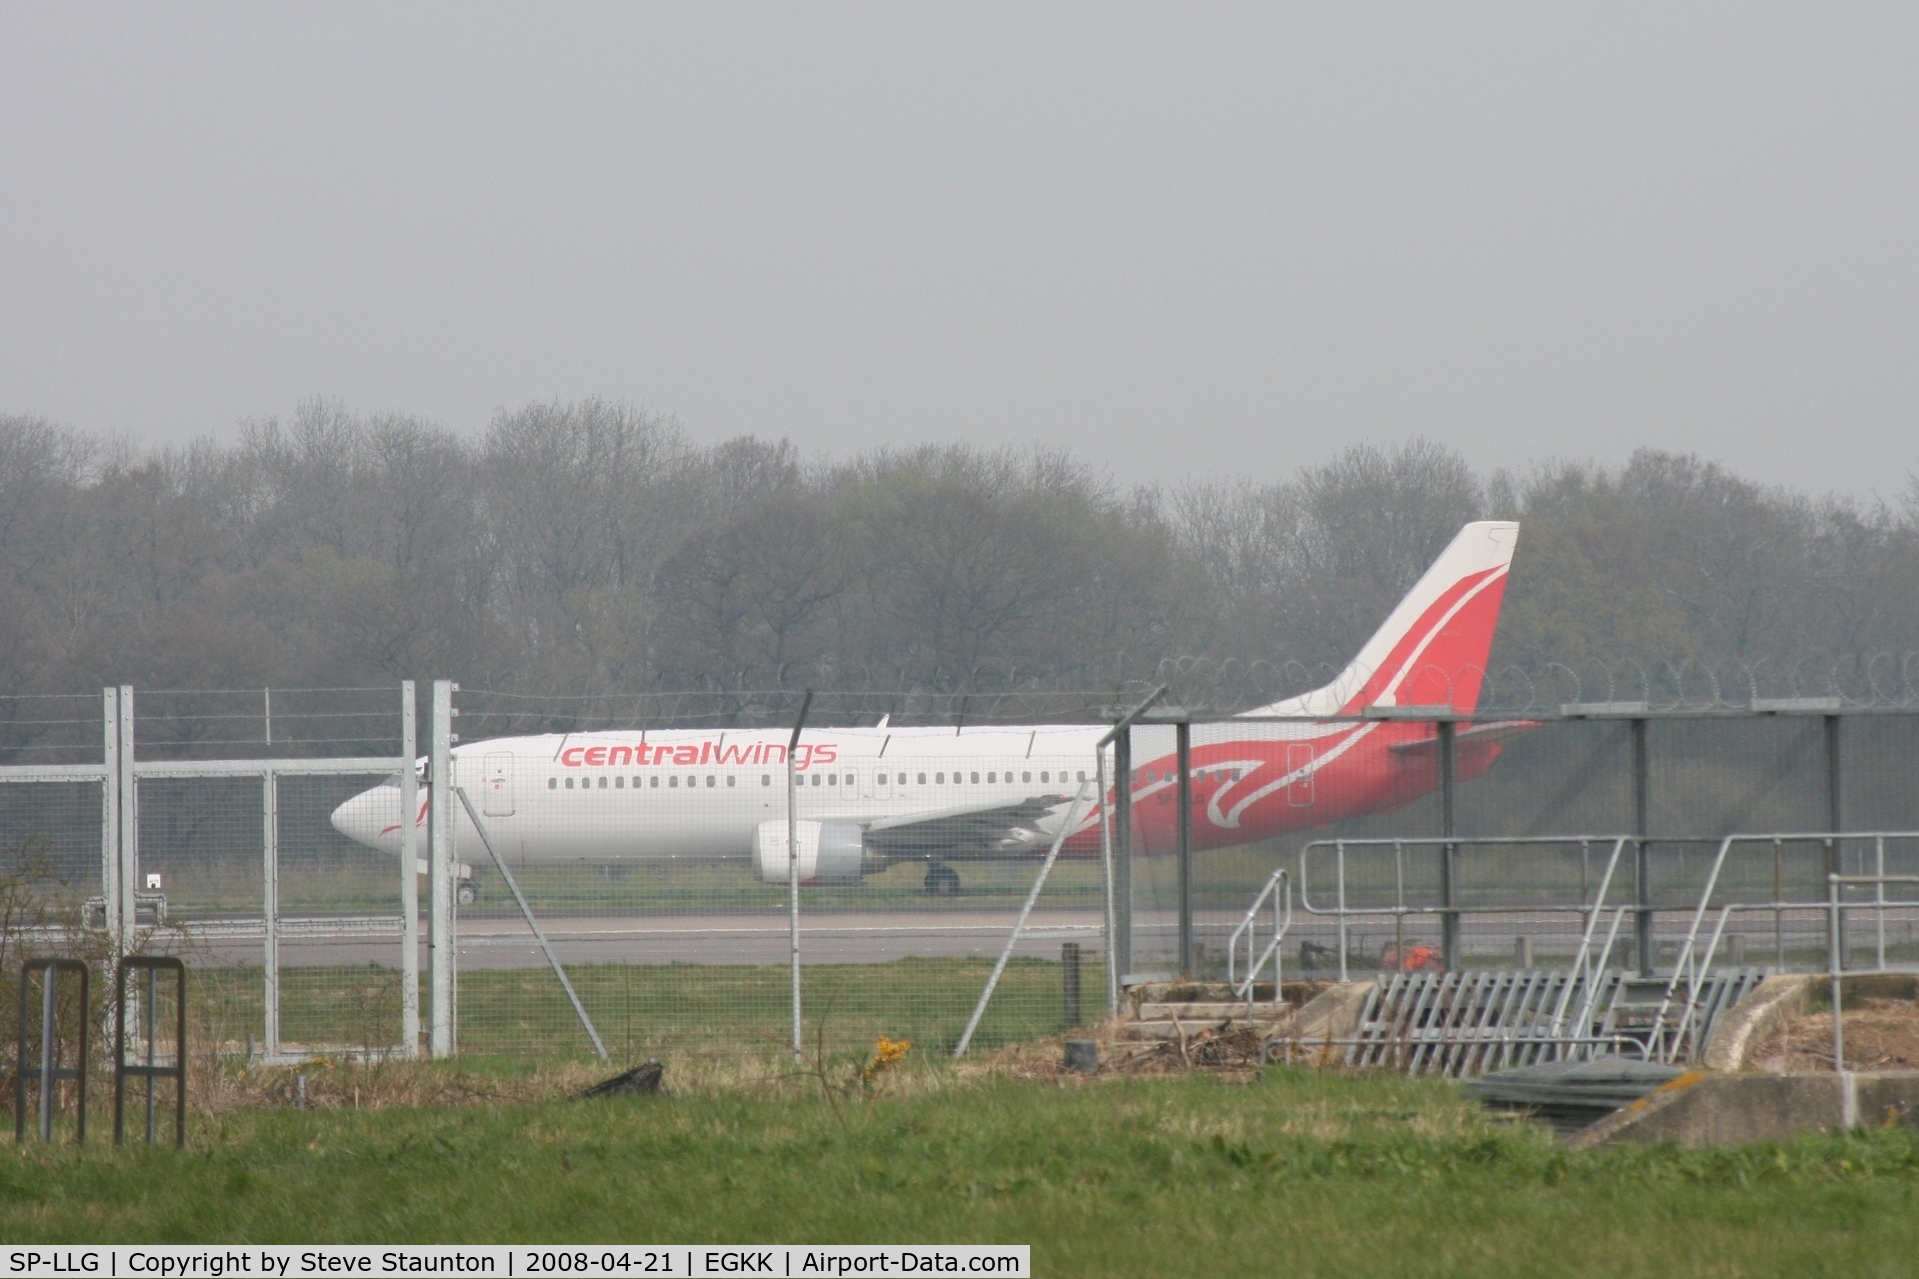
700	794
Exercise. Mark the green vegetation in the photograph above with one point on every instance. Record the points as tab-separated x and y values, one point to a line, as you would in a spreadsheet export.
1297	1174
644	1010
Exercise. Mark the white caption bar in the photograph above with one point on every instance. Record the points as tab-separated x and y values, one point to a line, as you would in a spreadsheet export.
572	1261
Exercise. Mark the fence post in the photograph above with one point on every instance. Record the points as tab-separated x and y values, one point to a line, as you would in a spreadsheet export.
793	868
1122	956
409	873
1106	882
440	939
1836	961
270	900
1835	822
110	815
1642	855
129	841
1448	731
1183	749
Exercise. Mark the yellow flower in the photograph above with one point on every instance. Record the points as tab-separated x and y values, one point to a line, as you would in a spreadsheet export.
885	1053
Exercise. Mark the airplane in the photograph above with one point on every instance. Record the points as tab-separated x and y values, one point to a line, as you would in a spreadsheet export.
871	797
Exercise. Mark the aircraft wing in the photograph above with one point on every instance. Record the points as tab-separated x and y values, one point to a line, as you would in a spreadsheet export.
1478	734
981	829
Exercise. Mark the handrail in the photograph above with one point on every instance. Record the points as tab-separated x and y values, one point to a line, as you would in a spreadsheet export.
1591	910
1583	964
1836	958
1690	965
1279	888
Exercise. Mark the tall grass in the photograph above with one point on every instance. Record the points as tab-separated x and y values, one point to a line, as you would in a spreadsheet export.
1297	1174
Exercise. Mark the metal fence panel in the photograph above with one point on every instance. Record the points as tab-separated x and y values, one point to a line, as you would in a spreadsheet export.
677	940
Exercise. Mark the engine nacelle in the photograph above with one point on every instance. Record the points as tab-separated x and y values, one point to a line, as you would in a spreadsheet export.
830	852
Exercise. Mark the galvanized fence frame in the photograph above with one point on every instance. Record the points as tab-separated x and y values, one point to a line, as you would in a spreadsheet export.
127	913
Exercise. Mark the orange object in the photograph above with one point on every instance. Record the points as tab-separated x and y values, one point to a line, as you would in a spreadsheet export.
1417	959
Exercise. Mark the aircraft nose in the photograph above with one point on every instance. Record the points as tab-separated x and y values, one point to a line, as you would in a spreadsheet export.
370	818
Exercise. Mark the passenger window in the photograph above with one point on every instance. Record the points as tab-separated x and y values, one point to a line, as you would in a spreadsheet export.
553	783
619	783
832	779
674	781
569	783
816	779
849	779
766	779
975	778
881	779
636	783
603	783
1026	777
712	780
655	783
940	778
732	780
1045	776
1082	774
922	779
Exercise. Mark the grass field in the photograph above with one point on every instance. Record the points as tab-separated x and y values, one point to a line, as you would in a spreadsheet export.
1296	1174
646	1010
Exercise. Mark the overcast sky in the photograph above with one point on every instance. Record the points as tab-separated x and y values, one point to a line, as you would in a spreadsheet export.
1178	239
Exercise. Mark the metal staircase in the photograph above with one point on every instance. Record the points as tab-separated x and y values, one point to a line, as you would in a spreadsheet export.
1471	1022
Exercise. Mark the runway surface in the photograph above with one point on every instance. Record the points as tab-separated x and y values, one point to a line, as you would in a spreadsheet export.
869	937
848	938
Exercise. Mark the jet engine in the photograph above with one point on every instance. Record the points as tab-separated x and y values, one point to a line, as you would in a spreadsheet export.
829	852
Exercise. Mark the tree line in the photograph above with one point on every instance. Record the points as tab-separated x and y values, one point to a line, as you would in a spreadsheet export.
593	546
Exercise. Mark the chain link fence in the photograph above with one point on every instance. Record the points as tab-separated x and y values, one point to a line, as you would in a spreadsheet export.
647	839
1677	782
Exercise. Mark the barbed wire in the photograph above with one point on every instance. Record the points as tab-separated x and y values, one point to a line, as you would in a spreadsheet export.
201	722
1203	687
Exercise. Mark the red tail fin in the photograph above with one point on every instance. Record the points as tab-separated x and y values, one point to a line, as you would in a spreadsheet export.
1432	650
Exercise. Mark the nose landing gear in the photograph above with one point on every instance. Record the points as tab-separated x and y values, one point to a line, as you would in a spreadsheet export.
942	881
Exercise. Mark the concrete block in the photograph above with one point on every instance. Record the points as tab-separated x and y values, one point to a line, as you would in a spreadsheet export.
1698	1109
1750	1020
1333	1013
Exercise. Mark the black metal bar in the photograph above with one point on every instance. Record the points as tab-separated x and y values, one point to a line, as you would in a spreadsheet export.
49	1073
1183	747
1070	982
1642	853
149	1072
1123	852
1448	852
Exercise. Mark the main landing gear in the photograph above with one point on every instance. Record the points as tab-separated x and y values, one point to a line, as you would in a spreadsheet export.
942	881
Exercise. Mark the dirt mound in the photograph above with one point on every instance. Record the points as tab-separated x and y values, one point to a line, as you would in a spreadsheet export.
1881	1034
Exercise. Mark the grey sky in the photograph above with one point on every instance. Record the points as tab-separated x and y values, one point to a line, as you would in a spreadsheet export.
1175	239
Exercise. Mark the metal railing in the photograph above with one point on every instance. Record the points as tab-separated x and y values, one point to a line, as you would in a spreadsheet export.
1835	954
1279	891
1343	912
1692	963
